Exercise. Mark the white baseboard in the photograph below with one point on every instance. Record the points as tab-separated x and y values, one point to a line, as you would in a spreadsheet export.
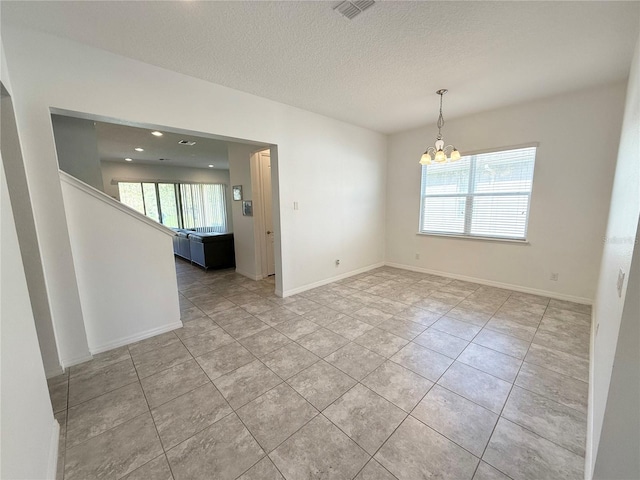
304	288
135	338
52	464
53	372
249	275
491	283
70	362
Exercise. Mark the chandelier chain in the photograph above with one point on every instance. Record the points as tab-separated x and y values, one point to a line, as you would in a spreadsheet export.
440	119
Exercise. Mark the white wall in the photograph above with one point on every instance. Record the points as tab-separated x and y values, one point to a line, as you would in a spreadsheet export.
77	148
113	172
620	437
335	171
28	431
621	235
577	135
244	226
28	238
125	269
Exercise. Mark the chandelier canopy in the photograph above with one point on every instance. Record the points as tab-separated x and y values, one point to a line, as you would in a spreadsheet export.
440	153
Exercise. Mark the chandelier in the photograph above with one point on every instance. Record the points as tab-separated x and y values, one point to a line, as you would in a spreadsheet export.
440	153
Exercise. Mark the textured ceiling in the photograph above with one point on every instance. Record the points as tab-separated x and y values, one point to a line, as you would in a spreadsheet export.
379	70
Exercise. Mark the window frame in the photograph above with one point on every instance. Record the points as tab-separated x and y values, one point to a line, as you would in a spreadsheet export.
178	196
469	197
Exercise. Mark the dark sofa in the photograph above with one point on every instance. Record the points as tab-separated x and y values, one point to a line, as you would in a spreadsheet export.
209	250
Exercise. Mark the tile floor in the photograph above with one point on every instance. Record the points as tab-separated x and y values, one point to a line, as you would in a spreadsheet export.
388	374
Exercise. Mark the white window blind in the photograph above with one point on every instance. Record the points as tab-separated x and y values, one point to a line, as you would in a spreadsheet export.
485	195
194	206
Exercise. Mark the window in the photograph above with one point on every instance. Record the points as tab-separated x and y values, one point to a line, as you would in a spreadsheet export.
485	195
201	207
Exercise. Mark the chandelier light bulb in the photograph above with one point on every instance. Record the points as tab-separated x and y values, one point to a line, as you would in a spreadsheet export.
440	156
455	155
425	159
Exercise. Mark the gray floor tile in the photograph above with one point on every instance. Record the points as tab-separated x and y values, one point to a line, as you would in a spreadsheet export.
196	327
274	416
321	384
555	386
400	386
245	327
102	413
502	343
246	383
571	306
222	451
372	316
156	469
100	360
323	316
572	316
556	422
297	328
323	342
263	470
479	387
552	334
116	452
355	360
565	363
457	328
441	342
522	454
460	420
277	315
509	327
381	342
489	361
402	328
224	360
155	361
207	341
159	341
365	416
349	328
487	472
319	450
259	306
59	392
374	471
302	306
289	360
188	414
265	342
173	382
93	384
419	315
422	361
227	317
417	451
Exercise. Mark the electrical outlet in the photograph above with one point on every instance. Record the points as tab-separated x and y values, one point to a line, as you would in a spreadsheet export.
620	283
554	276
337	263
417	256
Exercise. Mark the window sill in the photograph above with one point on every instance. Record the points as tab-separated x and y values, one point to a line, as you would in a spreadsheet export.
482	239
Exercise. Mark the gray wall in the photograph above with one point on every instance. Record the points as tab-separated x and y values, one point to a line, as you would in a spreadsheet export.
77	149
619	452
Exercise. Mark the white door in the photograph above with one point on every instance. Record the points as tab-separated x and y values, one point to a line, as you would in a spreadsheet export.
265	173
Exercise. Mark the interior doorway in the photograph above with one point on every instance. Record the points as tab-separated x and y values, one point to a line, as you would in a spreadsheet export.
265	223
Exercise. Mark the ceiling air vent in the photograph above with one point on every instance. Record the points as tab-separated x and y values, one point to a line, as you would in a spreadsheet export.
352	9
186	142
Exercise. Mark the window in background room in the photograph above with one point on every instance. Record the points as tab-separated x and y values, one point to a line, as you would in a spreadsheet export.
179	205
480	196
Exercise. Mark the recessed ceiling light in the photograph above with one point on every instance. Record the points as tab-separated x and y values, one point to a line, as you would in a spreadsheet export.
156	133
128	160
210	166
138	149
